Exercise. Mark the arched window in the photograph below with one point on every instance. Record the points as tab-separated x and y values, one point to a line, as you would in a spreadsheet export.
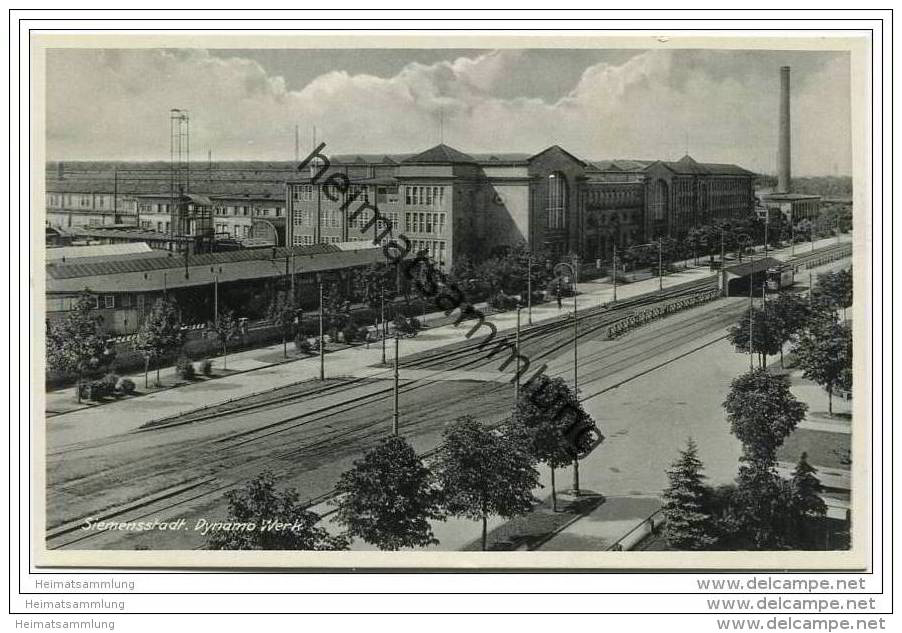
556	202
659	200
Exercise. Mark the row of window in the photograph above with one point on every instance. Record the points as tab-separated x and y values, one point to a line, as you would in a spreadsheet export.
424	196
307	240
612	197
434	248
247	211
106	302
431	223
238	230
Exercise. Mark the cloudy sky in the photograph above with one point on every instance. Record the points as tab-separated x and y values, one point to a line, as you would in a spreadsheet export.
244	104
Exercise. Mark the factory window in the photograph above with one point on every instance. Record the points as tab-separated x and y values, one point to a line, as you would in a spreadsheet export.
303	192
109	302
556	201
140	301
425	196
125	301
659	200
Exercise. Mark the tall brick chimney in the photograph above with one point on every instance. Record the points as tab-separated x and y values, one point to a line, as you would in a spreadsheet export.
784	148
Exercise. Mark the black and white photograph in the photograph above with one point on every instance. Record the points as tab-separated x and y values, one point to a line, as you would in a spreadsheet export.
443	302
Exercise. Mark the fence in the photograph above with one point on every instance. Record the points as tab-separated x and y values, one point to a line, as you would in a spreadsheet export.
650	525
651	314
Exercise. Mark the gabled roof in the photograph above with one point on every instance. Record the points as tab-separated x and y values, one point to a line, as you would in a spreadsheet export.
560	149
688	165
502	158
440	154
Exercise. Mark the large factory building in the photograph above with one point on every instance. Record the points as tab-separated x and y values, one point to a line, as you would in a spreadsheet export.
453	204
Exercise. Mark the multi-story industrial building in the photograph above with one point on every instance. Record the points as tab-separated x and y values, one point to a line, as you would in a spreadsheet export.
450	204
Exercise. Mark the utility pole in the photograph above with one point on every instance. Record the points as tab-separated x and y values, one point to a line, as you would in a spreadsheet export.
661	263
764	316
382	312
395	416
810	287
216	294
529	289
792	235
751	323
517	353
614	272
723	252
766	225
575	388
322	355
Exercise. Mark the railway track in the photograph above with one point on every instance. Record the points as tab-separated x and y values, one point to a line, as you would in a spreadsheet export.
324	439
220	454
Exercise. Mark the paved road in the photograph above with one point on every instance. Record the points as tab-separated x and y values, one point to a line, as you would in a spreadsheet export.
182	471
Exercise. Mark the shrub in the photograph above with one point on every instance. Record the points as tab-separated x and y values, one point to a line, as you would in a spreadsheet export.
362	333
107	385
503	302
184	368
302	344
206	367
125	385
350	333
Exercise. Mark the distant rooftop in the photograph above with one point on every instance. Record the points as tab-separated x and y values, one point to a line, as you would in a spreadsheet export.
788	196
69	253
441	154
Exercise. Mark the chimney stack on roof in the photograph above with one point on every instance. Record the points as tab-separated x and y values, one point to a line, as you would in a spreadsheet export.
784	148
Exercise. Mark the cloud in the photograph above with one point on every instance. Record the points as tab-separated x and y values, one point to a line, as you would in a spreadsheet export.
723	105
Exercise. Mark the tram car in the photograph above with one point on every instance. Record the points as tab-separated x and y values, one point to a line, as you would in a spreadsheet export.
780	277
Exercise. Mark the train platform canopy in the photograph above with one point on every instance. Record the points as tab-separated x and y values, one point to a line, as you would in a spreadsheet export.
735	278
66	253
172	270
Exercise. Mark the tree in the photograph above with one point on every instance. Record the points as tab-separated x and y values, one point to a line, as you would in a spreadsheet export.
763	506
765	334
484	473
833	291
808	506
762	412
225	328
266	519
824	352
553	423
77	345
686	525
160	333
388	498
284	313
787	315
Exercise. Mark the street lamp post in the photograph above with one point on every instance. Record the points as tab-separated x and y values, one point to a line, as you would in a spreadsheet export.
661	263
517	353
382	313
792	235
575	387
751	323
396	414
322	354
529	289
